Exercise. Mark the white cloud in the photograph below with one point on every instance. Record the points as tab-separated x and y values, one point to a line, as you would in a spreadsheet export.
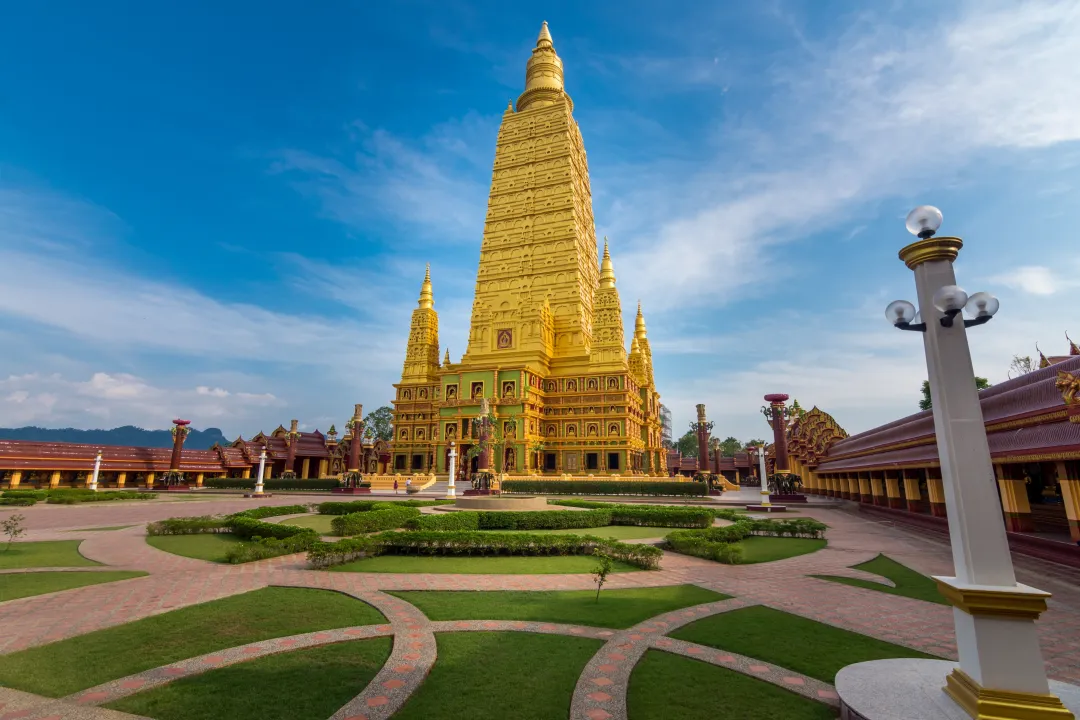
1033	279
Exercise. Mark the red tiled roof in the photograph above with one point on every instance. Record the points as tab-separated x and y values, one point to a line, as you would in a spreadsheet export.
26	455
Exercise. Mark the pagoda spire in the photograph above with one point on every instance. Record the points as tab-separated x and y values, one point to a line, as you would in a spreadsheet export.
639	324
543	75
607	270
427	299
446	358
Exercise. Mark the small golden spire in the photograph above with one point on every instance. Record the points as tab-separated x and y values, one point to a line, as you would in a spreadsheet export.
1043	362
446	358
509	106
427	299
543	75
639	323
607	270
544	36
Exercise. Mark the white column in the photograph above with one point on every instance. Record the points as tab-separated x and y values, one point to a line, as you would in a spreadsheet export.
1001	653
262	466
450	487
97	470
764	477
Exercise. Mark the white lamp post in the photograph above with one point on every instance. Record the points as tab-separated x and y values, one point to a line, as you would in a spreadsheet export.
450	487
764	478
97	470
1001	673
262	468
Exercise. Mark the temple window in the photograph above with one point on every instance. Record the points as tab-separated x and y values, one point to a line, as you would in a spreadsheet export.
613	461
399	462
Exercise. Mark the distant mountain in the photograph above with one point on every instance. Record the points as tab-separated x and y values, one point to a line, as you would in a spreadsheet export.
127	435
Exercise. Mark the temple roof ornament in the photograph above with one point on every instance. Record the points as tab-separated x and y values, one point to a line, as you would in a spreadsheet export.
1073	349
427	298
543	75
1043	362
607	270
639	323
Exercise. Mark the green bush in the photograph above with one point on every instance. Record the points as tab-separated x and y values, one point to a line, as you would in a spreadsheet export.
692	542
373	520
221	483
31	494
327	554
344	508
651	515
721	543
488	543
189	526
81	495
543	519
263	548
412	503
271	511
445	521
248	528
605	487
23	501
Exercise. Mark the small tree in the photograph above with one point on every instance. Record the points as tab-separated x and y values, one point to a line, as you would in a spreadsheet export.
1021	365
380	422
687	444
13	528
926	403
604	566
729	446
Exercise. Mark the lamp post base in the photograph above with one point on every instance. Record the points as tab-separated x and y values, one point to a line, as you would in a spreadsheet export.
908	689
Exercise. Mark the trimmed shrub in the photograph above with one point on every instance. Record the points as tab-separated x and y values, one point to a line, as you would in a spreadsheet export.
693	542
483	543
650	515
249	528
31	494
189	526
344	508
412	503
445	521
605	487
271	511
373	520
23	501
263	548
80	495
221	483
722	543
543	519
327	554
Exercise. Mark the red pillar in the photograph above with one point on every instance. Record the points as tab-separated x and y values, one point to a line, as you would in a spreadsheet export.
777	415
179	433
357	438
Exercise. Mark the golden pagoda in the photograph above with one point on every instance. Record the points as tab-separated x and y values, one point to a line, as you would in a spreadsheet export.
546	344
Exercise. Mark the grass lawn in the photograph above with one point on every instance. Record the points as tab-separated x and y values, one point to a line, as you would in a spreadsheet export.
501	675
205	546
793	642
908	582
310	684
77	663
320	523
54	553
19	585
102	529
502	565
616	609
767	549
619	532
669	687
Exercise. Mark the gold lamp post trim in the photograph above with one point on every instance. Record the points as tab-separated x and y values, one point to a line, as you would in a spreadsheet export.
934	248
983	704
1027	605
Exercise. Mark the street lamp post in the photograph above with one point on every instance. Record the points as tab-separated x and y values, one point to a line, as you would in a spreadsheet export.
764	479
1001	673
262	470
450	488
97	470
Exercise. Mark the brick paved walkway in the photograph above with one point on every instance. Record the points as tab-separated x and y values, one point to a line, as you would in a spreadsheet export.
176	581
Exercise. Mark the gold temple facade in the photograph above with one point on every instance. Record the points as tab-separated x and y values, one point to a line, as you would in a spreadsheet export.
546	344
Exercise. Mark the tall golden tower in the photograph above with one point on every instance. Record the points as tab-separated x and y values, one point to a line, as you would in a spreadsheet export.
546	344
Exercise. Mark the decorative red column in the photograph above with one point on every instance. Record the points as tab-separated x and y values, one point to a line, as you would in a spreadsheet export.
777	413
483	463
174	478
703	428
290	460
357	438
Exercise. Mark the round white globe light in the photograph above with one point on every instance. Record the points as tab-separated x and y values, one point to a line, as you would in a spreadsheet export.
949	298
917	319
900	311
982	304
923	221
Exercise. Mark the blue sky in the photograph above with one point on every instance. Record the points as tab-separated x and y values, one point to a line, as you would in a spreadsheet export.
223	210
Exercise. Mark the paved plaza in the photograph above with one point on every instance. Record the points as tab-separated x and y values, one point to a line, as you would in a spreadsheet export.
174	582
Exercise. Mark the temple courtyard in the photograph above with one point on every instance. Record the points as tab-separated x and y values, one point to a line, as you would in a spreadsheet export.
172	633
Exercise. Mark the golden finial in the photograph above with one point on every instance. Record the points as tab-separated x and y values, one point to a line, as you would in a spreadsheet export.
446	358
509	106
543	75
639	323
607	270
1043	362
427	299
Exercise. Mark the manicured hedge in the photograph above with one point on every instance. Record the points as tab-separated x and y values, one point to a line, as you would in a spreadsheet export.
30	494
75	496
651	515
446	521
336	507
22	501
189	526
373	520
324	554
605	487
543	519
248	528
220	483
721	543
263	548
271	511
